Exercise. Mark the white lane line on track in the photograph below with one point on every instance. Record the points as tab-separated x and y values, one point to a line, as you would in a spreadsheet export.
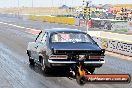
28	30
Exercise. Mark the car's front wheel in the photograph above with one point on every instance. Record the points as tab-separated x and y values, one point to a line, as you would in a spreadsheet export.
44	68
31	61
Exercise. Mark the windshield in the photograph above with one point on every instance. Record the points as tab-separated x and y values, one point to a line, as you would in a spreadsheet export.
70	37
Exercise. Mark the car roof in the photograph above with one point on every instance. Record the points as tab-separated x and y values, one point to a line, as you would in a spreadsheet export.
61	30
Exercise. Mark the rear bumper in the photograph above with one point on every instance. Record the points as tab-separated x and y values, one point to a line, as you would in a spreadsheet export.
87	63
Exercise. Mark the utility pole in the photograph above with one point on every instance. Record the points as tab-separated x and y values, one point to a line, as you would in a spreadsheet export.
52	6
33	7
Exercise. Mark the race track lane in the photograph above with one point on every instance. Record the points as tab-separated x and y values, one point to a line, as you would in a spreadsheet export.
15	71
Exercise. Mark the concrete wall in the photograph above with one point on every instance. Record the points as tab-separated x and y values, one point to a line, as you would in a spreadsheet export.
130	25
63	20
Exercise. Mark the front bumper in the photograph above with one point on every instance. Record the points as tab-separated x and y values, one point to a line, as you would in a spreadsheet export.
65	63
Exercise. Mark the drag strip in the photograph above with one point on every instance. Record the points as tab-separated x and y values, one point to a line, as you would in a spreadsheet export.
16	72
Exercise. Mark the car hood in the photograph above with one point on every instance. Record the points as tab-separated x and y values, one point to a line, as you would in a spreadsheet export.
75	46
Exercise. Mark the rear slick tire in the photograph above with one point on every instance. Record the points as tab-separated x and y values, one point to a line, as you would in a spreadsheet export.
44	68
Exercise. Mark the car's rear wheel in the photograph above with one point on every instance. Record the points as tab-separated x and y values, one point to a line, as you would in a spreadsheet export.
44	68
31	60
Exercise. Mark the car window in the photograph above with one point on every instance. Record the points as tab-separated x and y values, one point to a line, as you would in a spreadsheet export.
70	37
44	38
40	37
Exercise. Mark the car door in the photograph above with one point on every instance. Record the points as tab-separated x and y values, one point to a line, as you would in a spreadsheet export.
38	44
43	44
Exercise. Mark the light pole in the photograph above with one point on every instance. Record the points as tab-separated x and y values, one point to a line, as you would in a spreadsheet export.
52	7
32	3
18	3
18	6
52	3
32	7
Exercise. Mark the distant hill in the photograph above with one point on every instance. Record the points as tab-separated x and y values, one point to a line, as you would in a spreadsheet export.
128	6
64	7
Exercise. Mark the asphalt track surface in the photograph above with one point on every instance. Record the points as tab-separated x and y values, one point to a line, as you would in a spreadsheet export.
15	71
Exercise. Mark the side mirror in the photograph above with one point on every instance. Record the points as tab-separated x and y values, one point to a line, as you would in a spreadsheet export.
95	42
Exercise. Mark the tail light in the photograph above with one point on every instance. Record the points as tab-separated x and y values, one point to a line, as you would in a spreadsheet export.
58	57
95	57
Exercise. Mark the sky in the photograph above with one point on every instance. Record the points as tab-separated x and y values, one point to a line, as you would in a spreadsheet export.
49	3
